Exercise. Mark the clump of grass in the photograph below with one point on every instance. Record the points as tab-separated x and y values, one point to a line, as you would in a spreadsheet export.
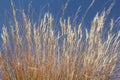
34	52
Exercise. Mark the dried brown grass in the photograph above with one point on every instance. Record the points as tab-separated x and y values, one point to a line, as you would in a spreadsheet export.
37	54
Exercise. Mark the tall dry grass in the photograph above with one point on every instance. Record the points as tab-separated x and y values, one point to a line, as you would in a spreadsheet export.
35	52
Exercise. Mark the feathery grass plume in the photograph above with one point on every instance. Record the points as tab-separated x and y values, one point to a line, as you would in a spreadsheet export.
38	53
4	37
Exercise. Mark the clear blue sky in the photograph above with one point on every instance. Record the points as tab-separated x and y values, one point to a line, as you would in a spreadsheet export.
55	7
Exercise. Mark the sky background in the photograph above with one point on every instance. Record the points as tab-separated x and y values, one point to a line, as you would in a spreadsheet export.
39	7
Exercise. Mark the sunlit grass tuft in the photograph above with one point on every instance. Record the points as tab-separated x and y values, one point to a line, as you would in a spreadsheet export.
36	53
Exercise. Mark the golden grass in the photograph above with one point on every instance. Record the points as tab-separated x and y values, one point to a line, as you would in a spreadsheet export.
36	53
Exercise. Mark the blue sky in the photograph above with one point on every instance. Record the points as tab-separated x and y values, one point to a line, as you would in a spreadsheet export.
55	7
